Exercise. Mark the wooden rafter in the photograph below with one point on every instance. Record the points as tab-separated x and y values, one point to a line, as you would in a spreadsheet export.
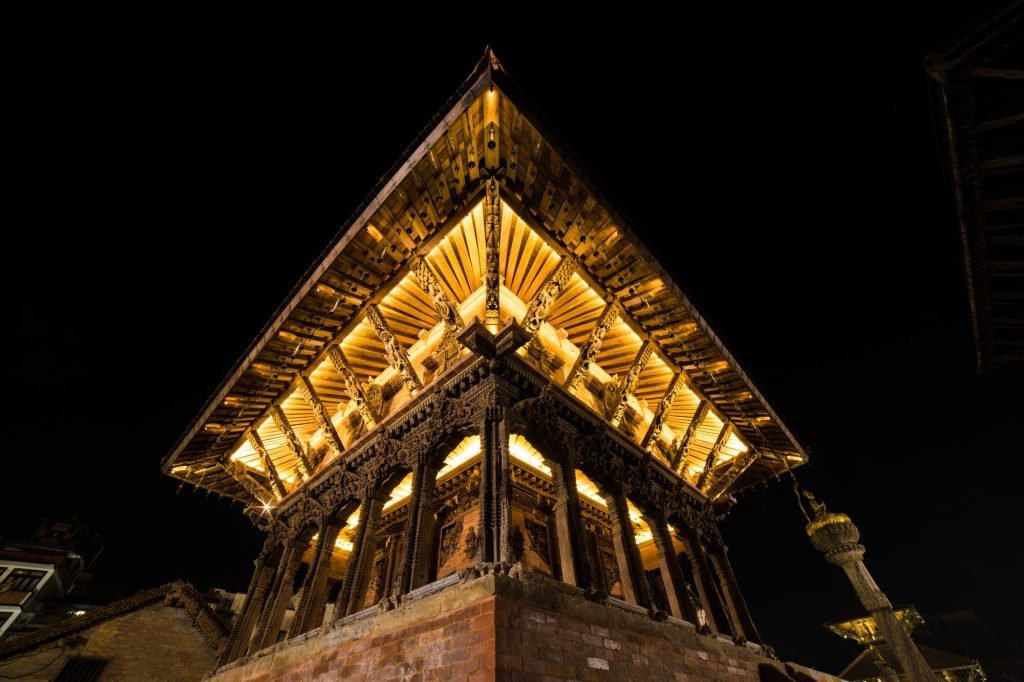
492	242
320	413
268	464
631	380
661	414
355	388
712	459
592	346
393	349
682	447
537	313
302	462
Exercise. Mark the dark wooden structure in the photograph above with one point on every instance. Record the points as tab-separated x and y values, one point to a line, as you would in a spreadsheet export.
485	369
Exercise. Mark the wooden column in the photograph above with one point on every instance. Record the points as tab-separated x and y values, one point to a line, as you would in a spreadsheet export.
353	590
572	547
705	584
310	613
743	624
676	589
277	604
495	512
631	567
419	529
283	595
242	629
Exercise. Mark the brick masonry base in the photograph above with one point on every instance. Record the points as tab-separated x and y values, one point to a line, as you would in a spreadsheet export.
500	628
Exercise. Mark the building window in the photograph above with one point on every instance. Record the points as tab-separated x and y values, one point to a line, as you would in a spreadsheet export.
81	669
22	580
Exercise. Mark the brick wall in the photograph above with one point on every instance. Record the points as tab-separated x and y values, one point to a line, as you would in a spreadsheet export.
499	628
154	643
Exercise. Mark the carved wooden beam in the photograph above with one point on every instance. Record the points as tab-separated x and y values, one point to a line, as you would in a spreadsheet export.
492	242
320	413
661	414
592	346
446	309
739	465
302	462
537	313
683	446
630	381
355	388
237	471
396	355
268	464
709	463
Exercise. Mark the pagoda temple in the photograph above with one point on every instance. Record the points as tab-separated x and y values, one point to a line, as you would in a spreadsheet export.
487	435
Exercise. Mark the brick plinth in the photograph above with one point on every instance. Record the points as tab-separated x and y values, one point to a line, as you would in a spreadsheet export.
499	628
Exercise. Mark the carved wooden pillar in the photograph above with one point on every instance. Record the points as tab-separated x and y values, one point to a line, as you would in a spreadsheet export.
415	568
676	588
494	542
631	566
277	604
705	584
572	547
241	631
310	613
282	596
743	624
353	590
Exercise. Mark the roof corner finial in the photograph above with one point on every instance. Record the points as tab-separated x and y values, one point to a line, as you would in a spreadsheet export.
492	59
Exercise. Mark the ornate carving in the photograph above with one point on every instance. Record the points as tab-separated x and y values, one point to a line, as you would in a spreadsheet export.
661	414
492	243
739	465
537	313
516	543
592	346
472	543
281	422
268	464
537	533
447	311
629	382
323	417
394	351
355	388
237	471
450	536
709	463
611	569
682	446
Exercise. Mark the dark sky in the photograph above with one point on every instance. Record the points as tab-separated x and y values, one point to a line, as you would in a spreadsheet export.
170	175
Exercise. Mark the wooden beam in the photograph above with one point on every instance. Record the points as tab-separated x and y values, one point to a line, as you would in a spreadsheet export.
320	413
396	355
446	310
709	463
630	381
592	346
537	313
661	414
682	448
268	464
237	471
492	242
739	465
1008	74
294	443
355	388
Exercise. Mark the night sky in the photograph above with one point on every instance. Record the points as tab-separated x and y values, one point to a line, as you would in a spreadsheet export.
170	176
